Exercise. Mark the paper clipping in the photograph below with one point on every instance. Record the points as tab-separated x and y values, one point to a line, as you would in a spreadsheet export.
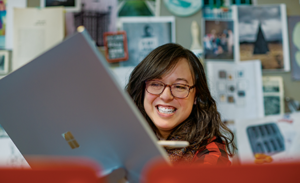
35	31
273	95
236	88
275	137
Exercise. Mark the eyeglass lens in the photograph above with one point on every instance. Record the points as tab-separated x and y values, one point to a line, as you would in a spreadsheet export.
177	90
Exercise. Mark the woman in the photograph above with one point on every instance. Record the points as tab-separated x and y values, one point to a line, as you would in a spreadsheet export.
169	87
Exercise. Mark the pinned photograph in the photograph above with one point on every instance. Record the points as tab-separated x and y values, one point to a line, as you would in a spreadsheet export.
273	95
263	35
129	8
4	62
69	5
294	40
218	40
144	34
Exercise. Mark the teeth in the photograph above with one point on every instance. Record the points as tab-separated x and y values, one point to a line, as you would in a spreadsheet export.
166	110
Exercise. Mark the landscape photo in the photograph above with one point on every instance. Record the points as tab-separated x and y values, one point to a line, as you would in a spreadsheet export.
263	35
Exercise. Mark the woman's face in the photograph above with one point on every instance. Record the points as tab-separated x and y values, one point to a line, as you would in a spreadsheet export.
167	111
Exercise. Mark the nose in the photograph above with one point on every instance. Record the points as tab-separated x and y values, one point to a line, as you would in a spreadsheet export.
166	95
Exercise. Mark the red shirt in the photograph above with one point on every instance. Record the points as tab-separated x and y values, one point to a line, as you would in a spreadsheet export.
213	153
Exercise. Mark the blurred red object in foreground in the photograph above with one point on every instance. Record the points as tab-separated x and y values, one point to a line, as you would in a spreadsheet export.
53	169
158	172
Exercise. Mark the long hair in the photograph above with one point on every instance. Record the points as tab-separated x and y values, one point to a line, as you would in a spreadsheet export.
205	119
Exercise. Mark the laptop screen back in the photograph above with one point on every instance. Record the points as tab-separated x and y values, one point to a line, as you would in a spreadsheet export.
67	102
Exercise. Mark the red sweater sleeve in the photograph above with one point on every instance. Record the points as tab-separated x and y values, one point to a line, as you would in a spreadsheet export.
213	153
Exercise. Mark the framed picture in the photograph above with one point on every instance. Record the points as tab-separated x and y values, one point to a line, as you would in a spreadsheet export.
294	39
69	5
145	34
4	61
263	35
115	44
219	40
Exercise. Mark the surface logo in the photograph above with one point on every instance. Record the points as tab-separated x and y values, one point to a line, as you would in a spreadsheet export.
71	140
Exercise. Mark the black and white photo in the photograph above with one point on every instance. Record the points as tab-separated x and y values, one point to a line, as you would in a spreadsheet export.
145	34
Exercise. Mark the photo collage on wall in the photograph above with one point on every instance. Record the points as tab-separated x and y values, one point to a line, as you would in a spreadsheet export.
144	34
251	33
254	32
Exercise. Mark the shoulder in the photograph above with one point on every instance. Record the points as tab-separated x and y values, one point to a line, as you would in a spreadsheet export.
213	153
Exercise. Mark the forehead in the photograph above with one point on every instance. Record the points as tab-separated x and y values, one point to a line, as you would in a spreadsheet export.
181	70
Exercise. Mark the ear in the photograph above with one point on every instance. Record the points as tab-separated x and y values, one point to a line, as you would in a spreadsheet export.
195	101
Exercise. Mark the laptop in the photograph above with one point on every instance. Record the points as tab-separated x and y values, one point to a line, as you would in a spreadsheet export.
67	102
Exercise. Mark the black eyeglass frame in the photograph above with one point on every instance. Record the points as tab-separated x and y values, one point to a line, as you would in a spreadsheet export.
165	85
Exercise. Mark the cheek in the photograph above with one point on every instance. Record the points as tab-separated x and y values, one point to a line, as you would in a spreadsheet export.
148	102
188	105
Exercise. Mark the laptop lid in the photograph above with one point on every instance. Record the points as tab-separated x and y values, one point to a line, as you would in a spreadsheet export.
67	102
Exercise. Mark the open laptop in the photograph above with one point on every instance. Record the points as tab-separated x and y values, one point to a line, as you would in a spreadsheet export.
67	102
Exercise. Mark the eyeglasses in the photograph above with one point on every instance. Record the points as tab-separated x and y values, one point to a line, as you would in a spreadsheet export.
177	90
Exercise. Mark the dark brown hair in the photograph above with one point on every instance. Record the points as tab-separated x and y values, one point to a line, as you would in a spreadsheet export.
205	119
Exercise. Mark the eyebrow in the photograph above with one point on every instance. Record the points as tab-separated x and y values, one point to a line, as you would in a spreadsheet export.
178	79
182	79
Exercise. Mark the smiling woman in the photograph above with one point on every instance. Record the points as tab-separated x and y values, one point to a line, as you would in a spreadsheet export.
169	87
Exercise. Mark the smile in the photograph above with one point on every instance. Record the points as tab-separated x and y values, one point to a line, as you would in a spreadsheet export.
166	110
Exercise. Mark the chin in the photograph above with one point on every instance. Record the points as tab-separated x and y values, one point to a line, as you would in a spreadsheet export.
164	127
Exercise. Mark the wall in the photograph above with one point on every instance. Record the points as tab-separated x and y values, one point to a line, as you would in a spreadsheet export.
183	37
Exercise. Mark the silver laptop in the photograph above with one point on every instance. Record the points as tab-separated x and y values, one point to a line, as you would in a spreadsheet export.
67	102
